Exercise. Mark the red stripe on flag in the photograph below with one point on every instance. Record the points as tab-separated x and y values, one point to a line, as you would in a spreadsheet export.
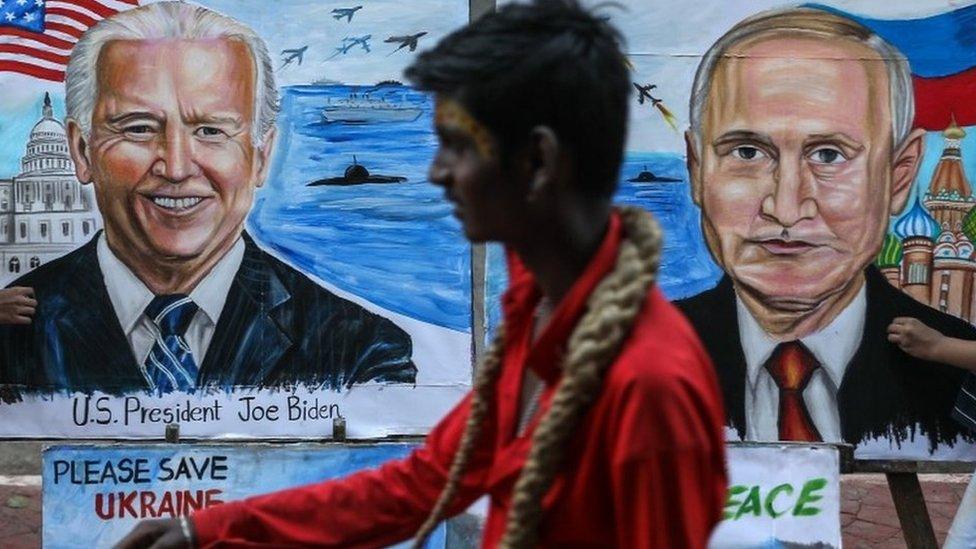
32	70
67	29
39	37
937	100
76	15
94	7
34	52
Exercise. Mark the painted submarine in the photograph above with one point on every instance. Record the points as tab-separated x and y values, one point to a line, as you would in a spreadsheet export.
356	174
647	176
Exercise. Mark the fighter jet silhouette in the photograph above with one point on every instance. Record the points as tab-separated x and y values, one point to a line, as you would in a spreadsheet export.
348	42
339	13
644	92
405	41
290	55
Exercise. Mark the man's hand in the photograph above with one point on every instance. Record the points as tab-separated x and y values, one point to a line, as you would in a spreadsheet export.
17	305
158	534
915	338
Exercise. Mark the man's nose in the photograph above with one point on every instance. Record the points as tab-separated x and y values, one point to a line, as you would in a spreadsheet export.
438	173
176	160
792	197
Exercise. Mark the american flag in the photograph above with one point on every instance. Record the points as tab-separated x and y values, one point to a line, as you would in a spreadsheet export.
36	36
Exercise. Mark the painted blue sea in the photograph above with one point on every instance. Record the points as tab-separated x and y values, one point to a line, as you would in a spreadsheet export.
396	245
686	266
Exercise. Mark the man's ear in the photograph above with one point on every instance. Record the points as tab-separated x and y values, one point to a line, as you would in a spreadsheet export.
80	152
264	155
543	160
904	168
694	167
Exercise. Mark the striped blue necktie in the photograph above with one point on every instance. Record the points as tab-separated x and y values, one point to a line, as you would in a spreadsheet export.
170	365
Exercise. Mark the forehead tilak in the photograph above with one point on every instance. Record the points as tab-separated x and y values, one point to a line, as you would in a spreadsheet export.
448	113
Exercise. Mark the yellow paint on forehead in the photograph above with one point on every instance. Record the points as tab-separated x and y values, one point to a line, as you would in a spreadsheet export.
451	114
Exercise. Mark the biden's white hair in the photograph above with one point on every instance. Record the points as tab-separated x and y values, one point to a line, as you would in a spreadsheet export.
167	20
808	21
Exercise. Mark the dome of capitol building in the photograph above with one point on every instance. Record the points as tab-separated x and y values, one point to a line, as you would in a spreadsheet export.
47	147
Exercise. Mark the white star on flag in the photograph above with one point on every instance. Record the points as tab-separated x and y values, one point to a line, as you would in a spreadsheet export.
21	2
38	3
28	16
10	16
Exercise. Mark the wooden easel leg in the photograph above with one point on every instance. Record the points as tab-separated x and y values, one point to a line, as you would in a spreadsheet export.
916	525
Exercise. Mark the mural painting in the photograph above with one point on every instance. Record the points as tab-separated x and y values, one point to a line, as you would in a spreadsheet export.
224	218
810	166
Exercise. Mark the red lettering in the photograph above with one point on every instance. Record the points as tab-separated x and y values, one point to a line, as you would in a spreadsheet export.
212	497
125	504
191	503
105	512
146	501
166	505
143	504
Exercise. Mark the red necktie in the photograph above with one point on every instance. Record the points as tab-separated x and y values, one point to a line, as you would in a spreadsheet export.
791	366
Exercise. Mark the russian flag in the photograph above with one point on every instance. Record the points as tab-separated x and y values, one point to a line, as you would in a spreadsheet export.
942	52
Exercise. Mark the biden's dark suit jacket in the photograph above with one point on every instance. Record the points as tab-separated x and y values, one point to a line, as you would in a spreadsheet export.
884	393
277	329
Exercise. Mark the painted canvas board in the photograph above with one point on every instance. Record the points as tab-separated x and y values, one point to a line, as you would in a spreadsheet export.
94	495
202	252
816	195
781	496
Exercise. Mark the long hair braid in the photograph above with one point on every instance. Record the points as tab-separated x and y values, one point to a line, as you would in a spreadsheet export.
484	392
592	348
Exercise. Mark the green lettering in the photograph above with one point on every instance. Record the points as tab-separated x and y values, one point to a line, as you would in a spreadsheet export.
771	497
751	504
730	501
807	496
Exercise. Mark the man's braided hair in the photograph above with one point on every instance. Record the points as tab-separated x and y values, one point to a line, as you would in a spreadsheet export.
548	63
594	344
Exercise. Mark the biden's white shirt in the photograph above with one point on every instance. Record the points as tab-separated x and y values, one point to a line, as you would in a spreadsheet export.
834	347
130	297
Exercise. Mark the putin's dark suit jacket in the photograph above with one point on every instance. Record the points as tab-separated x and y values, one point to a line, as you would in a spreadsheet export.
884	392
277	328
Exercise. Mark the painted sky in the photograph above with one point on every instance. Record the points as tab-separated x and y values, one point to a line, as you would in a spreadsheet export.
666	39
286	25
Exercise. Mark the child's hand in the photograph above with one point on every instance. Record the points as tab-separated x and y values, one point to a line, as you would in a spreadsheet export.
915	338
17	305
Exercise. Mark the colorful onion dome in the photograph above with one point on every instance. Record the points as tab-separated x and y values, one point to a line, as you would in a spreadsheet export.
954	131
917	223
969	225
891	252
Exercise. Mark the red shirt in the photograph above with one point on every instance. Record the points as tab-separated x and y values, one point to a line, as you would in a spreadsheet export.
646	469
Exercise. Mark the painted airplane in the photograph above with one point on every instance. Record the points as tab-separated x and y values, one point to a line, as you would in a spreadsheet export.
290	55
339	13
349	42
405	41
644	93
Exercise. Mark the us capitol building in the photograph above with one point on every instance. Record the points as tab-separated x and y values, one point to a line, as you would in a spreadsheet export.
45	212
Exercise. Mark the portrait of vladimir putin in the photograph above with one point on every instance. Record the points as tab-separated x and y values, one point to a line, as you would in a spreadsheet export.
801	149
171	117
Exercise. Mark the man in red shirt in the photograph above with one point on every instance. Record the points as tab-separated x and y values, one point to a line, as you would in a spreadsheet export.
595	419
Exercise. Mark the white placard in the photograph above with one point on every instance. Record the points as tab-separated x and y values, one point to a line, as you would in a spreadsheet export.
781	494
